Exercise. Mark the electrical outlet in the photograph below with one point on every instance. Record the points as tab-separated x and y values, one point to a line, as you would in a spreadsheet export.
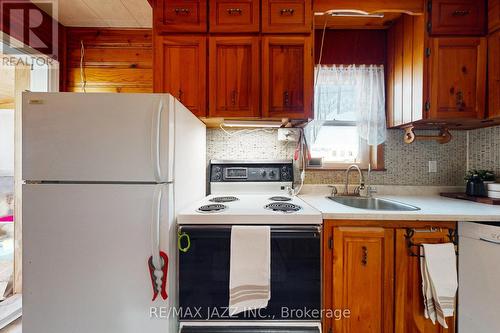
288	134
432	166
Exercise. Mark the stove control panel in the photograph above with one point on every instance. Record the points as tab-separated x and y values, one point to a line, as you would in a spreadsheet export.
240	171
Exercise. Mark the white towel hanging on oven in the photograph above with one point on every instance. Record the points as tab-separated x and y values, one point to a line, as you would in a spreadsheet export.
250	268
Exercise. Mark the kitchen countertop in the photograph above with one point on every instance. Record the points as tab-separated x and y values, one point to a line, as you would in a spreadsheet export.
432	206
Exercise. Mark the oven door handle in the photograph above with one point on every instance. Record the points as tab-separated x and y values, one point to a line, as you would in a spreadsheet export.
274	228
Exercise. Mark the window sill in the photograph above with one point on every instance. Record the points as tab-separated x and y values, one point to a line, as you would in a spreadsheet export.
10	309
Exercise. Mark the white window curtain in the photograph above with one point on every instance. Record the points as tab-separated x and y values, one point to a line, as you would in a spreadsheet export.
354	94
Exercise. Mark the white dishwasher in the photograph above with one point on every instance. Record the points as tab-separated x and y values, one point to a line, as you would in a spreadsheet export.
479	277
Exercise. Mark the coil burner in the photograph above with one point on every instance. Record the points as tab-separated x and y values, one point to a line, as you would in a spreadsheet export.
280	198
224	199
212	208
284	207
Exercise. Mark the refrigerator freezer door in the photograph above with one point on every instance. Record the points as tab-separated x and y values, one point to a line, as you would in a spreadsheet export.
98	137
85	258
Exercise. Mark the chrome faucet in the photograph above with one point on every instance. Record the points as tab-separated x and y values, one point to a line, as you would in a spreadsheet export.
361	181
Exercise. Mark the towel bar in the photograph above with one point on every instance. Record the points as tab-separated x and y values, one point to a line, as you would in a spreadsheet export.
452	235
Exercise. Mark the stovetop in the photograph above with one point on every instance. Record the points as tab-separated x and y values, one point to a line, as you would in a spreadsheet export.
250	209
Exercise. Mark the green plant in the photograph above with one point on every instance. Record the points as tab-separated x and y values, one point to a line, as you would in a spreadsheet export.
484	175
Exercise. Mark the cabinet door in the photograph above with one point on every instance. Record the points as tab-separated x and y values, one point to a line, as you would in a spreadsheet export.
493	15
180	15
458	17
409	300
287	77
287	16
457	78
180	69
362	278
494	75
234	15
234	77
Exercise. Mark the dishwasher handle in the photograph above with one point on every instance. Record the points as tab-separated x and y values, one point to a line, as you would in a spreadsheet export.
489	241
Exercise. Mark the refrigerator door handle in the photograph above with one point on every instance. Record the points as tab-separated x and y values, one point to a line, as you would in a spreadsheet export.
157	141
155	232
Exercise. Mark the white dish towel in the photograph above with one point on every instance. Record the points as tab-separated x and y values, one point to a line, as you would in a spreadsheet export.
250	270
438	267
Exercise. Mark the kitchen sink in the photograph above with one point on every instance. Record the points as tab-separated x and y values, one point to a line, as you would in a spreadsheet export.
373	203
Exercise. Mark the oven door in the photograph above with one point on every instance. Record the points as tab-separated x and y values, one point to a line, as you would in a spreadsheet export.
248	329
295	275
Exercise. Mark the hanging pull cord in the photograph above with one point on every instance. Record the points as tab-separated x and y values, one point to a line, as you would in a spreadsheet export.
83	78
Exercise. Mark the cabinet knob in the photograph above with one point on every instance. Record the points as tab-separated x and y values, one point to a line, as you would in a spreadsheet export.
234	11
460	100
182	11
287	11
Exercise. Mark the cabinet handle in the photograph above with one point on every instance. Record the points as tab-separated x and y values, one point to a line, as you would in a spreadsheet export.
182	11
461	12
287	11
460	100
364	258
286	98
234	11
234	94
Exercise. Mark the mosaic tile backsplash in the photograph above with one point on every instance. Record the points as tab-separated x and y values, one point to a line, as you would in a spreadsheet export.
484	149
405	164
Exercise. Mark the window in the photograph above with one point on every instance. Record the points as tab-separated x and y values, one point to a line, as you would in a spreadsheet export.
349	115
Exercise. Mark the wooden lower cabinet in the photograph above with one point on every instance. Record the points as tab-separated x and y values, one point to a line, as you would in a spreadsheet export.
409	304
363	278
368	270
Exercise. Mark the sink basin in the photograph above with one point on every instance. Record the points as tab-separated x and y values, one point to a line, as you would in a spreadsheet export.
373	203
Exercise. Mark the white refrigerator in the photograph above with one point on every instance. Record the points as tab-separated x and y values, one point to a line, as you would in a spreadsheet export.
104	176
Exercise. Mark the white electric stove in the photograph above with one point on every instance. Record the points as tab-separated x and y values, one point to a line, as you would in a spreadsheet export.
250	192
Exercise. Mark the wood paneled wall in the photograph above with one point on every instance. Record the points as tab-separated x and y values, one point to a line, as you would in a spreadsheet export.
115	60
351	47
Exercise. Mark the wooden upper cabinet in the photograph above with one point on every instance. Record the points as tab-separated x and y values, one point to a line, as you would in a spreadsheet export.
405	70
457	78
494	75
458	17
234	16
180	69
409	301
287	16
287	77
362	279
180	15
234	79
493	15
